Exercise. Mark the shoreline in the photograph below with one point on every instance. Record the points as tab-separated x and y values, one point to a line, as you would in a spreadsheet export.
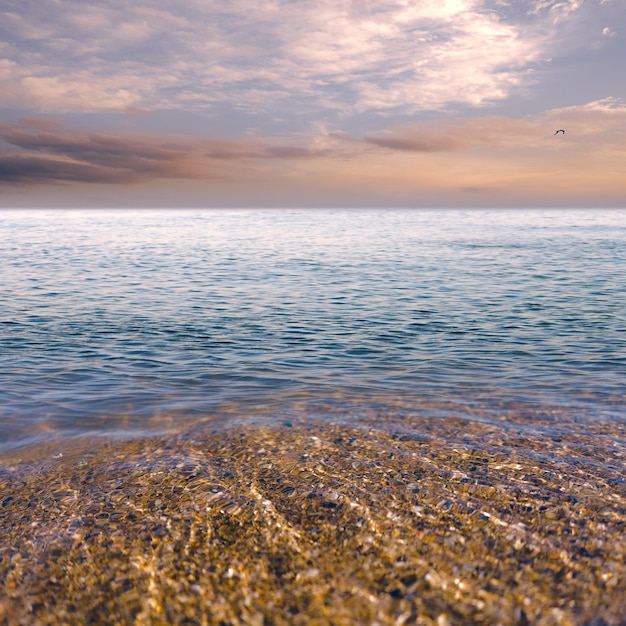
425	520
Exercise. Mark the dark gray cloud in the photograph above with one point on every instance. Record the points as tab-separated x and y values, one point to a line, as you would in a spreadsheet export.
23	170
233	150
65	155
292	152
417	144
48	152
96	148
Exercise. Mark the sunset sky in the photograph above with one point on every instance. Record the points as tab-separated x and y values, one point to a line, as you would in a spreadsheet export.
301	103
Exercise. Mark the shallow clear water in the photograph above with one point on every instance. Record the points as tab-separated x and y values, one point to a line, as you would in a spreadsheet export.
131	320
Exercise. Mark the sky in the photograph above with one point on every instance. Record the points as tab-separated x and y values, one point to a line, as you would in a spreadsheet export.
312	103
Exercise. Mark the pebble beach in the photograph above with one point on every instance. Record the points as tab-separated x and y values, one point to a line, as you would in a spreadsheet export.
401	520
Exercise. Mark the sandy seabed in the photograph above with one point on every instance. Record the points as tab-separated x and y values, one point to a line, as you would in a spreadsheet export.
401	520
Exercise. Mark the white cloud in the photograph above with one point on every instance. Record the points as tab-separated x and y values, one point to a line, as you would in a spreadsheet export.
558	9
7	69
423	56
53	93
606	105
336	55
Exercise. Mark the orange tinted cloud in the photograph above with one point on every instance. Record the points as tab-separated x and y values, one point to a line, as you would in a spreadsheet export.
453	162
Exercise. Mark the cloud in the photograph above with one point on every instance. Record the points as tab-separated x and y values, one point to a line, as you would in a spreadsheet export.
462	161
421	142
49	152
20	169
114	158
595	127
557	9
337	56
41	150
604	105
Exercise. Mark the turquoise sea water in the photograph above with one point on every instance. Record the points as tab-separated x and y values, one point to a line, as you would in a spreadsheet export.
130	321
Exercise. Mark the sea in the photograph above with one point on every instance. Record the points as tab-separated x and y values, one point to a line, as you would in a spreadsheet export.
125	323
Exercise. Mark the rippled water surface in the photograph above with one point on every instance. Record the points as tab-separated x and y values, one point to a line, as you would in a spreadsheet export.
130	320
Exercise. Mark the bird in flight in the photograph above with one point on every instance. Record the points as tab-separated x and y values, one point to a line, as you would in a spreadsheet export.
559	131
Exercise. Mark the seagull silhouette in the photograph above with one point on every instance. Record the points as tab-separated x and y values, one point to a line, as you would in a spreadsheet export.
559	131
